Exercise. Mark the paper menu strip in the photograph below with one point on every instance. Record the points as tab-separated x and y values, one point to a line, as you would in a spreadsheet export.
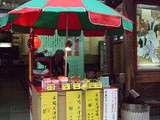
110	109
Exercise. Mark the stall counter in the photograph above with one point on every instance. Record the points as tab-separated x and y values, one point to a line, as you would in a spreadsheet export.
67	105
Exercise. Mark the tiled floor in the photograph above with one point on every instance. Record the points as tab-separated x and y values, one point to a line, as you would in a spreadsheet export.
13	100
155	118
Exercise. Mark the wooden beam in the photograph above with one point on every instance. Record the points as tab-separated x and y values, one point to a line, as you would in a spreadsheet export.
150	2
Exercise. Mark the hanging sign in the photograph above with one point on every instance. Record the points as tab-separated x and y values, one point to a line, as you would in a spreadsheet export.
73	105
110	110
93	105
49	106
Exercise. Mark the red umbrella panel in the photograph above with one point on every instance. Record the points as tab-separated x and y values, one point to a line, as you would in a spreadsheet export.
70	17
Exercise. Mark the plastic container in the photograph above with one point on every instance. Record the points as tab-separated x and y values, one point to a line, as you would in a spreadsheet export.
135	112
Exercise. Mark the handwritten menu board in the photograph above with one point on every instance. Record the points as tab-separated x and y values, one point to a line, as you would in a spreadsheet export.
93	105
110	109
74	105
49	106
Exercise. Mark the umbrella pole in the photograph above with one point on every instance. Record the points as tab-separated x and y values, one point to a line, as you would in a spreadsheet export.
30	67
30	45
65	68
66	56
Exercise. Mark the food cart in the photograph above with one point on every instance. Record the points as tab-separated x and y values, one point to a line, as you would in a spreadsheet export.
68	98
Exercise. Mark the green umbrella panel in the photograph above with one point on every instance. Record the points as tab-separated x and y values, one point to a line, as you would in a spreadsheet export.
93	18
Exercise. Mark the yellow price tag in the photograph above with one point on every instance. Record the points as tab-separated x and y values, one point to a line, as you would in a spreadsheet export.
66	86
98	85
92	85
95	85
76	86
50	87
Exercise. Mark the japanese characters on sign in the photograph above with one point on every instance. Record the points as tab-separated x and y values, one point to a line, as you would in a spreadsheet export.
49	106
93	105
74	105
110	110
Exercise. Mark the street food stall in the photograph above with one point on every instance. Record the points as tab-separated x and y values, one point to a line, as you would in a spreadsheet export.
66	96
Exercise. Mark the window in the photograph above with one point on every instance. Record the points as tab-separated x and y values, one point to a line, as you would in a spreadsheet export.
148	36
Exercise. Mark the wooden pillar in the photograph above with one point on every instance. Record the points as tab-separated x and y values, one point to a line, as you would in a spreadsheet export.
110	57
130	43
30	66
31	46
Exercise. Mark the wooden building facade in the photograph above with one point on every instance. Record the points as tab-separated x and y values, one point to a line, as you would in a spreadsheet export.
125	60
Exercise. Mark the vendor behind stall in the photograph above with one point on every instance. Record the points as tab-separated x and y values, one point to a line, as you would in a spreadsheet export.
57	66
40	58
58	63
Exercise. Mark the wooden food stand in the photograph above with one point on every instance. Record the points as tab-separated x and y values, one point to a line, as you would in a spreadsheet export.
69	18
53	105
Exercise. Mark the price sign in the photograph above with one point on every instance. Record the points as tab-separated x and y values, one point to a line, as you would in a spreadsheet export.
93	85
98	84
110	110
76	86
51	87
66	86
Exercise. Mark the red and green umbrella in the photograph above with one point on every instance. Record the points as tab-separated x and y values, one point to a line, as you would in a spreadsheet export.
67	17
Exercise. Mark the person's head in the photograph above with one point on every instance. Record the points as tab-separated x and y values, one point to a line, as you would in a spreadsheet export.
59	56
59	52
58	63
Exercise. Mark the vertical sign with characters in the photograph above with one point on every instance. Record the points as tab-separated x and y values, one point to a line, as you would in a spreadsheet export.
93	105
74	105
49	106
